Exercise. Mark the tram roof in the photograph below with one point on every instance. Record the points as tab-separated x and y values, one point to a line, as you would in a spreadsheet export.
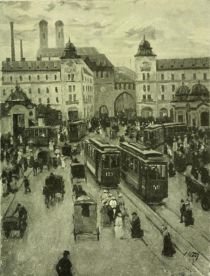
85	199
103	144
40	127
76	122
174	124
141	151
153	126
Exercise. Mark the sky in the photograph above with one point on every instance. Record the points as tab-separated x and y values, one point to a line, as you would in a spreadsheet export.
179	28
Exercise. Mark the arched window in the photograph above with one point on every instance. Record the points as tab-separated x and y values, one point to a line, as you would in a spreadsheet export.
39	90
10	78
47	90
55	77
29	77
205	118
144	88
57	100
46	77
56	89
21	78
38	77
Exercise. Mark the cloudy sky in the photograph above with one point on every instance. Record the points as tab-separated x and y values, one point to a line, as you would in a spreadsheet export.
178	28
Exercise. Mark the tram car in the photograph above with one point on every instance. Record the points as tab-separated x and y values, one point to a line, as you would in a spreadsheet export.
145	171
157	134
76	130
103	160
40	136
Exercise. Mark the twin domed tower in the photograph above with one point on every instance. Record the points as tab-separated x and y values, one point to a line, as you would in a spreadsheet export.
43	34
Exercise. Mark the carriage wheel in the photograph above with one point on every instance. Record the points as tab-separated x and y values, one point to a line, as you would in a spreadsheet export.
97	233
205	204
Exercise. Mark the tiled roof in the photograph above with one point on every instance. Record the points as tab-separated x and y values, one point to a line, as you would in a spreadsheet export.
124	74
50	65
185	63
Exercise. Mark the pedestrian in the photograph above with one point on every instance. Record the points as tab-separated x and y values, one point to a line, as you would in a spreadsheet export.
171	170
64	265
35	167
63	163
182	210
22	212
118	226
175	146
168	247
136	231
26	185
188	216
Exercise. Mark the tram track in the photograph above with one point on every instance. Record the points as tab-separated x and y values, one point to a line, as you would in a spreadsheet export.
182	245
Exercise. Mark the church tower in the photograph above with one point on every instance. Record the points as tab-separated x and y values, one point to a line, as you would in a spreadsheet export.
43	34
59	34
145	67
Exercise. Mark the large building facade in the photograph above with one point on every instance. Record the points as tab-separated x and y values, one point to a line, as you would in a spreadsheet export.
158	79
88	85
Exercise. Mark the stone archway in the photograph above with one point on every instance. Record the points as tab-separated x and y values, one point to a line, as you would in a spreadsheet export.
124	105
146	112
204	117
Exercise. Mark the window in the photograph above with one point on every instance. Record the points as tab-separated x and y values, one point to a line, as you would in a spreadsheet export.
124	85
129	86
73	88
10	78
48	100
46	77
56	89
144	97
149	97
134	86
162	97
172	76
148	88
173	96
85	210
96	74
173	87
2	78
183	76
144	88
162	76
194	76
119	85
55	77
101	74
69	77
204	76
107	74
57	100
47	90
40	100
143	76
38	77
72	77
4	92
70	97
29	90
29	78
69	88
75	97
38	90
162	88
180	118
21	78
148	76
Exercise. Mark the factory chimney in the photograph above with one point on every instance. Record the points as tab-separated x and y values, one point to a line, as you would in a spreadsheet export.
21	50
12	42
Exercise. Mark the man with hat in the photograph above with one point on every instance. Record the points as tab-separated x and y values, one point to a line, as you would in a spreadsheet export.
64	265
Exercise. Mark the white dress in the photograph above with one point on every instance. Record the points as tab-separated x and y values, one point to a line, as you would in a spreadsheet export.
118	228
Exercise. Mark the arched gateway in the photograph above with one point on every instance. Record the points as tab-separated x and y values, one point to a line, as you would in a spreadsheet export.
125	104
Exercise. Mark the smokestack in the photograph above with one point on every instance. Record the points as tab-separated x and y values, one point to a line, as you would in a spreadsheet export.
21	49
12	42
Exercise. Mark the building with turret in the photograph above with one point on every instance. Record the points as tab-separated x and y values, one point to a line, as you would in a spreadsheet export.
158	80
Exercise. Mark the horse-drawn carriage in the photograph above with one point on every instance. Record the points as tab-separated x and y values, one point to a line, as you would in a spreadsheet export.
13	223
78	176
202	190
54	189
85	217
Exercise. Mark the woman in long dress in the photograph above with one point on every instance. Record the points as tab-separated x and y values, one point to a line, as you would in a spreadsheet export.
168	247
63	163
118	226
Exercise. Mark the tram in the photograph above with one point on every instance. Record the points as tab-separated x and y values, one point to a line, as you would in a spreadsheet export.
103	160
76	130
40	136
145	171
157	134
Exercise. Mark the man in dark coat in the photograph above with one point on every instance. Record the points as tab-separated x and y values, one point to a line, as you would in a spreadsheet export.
26	185
64	265
136	231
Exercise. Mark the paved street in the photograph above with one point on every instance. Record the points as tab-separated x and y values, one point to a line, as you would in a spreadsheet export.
49	232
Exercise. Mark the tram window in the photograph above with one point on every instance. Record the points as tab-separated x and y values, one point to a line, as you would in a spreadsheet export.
85	210
135	166
114	161
106	161
157	171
